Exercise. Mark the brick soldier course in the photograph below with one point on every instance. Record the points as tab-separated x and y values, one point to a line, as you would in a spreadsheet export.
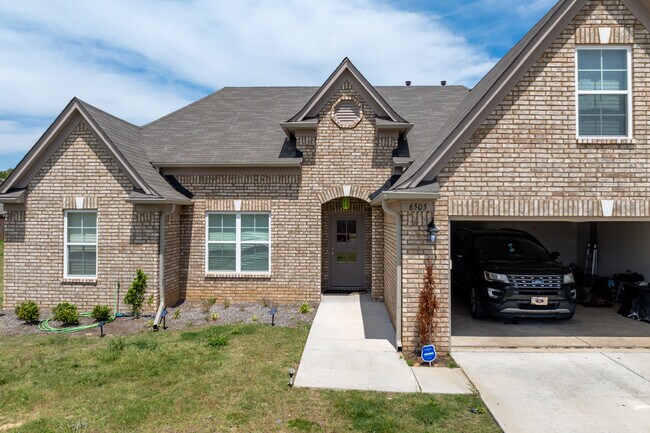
508	149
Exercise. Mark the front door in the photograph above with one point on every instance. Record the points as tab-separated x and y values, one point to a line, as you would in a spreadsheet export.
346	252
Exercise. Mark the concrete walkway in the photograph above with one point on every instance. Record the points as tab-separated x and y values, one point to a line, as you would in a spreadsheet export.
351	346
574	392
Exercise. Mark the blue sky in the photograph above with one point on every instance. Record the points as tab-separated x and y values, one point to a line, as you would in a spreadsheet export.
141	60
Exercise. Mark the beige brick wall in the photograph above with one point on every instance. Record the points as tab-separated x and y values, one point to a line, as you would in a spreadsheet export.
390	266
525	161
297	200
127	240
173	262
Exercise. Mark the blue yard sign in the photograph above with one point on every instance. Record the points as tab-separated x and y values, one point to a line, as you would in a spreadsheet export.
429	354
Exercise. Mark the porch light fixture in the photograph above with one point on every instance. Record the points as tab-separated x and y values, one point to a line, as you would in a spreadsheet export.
433	231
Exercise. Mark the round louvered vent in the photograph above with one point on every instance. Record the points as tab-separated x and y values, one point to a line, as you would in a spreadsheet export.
347	113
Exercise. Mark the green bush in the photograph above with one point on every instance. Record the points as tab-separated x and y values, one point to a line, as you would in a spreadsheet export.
218	340
135	296
66	313
305	309
101	313
28	311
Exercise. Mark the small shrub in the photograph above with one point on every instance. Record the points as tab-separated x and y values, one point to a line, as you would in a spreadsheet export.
149	324
305	308
101	313
177	314
207	304
28	311
66	313
150	300
265	302
214	317
254	318
427	305
135	295
218	340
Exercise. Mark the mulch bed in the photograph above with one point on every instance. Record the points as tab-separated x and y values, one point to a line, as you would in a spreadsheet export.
186	315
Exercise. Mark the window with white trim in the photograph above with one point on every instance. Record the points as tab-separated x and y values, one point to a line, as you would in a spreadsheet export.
604	94
238	242
80	244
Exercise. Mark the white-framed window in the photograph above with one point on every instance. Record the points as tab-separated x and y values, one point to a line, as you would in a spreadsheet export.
238	242
80	243
604	92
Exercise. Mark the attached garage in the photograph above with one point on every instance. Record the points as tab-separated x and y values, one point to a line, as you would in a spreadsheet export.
623	249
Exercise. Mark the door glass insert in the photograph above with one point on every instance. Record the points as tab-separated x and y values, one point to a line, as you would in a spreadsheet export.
346	241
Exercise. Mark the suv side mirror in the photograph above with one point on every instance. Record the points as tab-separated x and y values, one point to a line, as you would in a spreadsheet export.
555	255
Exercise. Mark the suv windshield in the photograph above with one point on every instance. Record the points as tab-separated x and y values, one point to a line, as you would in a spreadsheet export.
508	248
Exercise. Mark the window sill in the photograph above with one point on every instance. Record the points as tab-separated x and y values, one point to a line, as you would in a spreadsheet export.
241	276
89	281
606	140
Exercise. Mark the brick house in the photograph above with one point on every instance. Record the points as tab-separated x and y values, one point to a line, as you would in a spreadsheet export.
283	193
2	219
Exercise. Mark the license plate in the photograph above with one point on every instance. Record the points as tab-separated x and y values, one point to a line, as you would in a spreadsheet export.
539	300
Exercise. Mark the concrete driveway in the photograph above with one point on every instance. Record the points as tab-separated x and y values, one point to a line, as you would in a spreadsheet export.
563	391
351	346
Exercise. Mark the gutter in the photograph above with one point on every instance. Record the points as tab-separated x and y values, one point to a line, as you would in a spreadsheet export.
12	198
398	263
161	266
404	195
158	200
281	162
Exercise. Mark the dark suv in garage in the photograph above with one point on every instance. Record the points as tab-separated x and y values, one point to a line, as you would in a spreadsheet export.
509	273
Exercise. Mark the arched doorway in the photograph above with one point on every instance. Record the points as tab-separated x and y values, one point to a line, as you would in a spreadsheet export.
346	245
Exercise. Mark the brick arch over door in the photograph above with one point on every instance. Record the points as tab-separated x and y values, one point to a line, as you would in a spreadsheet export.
337	192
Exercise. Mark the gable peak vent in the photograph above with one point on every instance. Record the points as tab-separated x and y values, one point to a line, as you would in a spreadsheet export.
347	113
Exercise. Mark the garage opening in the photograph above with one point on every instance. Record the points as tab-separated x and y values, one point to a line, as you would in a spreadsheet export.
503	267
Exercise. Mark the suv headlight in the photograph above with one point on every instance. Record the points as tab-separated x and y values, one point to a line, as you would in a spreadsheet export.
568	279
499	278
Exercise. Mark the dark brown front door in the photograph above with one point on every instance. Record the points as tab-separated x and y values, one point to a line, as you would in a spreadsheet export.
346	252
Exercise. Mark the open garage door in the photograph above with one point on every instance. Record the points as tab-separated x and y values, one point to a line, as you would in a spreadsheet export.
621	265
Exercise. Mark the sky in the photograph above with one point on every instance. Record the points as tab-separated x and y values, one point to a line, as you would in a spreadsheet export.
141	60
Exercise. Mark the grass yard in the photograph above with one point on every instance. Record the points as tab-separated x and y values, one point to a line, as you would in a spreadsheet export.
216	379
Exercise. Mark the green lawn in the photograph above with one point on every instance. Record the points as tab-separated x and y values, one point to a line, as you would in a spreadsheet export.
188	381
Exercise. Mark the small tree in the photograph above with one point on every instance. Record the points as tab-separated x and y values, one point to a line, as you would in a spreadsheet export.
135	296
428	305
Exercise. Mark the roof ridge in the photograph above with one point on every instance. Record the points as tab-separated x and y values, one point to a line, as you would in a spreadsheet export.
87	105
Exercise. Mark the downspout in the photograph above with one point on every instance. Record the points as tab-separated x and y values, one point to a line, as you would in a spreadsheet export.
161	266
398	263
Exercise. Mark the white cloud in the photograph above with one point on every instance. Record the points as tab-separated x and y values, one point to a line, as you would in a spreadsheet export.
140	60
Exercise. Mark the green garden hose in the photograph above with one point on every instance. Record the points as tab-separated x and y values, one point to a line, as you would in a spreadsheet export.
45	324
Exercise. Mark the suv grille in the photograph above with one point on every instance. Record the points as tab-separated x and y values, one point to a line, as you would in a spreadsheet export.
536	284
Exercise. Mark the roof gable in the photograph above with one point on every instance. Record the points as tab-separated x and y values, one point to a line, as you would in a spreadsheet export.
346	71
120	138
494	87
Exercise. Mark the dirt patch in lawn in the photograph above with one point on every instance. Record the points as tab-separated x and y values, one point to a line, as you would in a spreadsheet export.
186	315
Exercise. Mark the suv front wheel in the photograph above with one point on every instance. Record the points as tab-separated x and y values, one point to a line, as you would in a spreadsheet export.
476	305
